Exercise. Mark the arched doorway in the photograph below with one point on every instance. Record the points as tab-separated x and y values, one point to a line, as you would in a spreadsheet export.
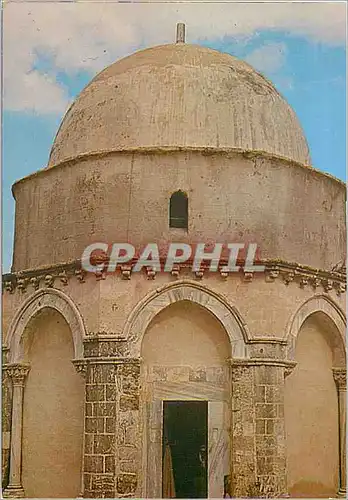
185	353
52	410
311	409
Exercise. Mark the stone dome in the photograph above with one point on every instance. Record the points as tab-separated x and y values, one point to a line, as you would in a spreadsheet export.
180	95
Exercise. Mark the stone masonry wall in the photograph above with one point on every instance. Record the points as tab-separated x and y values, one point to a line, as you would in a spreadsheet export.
258	436
243	480
270	433
111	452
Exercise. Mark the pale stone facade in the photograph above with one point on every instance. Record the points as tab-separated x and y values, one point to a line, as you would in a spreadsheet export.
91	359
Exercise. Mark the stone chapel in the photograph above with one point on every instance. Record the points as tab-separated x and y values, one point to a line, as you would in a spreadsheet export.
183	384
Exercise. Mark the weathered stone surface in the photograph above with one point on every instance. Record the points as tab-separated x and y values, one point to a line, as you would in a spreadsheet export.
93	463
104	444
129	403
126	483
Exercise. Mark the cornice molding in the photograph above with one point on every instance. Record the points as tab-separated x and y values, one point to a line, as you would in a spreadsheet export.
275	270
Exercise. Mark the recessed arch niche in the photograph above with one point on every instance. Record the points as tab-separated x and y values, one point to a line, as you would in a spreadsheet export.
185	355
52	409
311	409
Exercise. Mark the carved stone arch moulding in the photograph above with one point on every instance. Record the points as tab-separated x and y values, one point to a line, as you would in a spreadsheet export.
54	299
141	316
317	304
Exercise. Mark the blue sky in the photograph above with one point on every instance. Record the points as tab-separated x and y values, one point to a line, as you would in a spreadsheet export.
305	60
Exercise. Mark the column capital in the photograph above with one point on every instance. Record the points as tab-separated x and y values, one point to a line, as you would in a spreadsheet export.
17	372
340	377
289	368
80	366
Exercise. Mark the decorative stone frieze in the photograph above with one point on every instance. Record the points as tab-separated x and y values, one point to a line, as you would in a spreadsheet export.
290	273
80	275
9	286
22	284
175	271
49	280
100	275
150	273
248	276
316	282
35	282
63	278
304	281
224	274
288	277
199	274
126	272
272	273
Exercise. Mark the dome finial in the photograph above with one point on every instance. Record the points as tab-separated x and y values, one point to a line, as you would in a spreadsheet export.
180	33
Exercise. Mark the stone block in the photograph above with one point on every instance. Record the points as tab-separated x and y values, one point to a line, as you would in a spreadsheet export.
94	424
89	409
89	444
104	373
102	483
127	453
266	375
109	464
265	446
93	463
104	409
104	444
111	392
260	393
128	466
110	425
274	394
129	403
126	484
95	392
87	481
265	410
261	426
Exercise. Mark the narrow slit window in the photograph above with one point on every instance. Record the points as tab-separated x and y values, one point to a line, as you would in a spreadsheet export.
178	210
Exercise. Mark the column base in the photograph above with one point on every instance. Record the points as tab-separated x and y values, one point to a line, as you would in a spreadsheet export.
13	492
342	493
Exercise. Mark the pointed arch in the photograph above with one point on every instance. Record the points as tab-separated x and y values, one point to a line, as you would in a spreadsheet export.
317	304
152	304
45	298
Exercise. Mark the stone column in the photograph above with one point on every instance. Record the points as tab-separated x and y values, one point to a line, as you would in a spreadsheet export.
18	373
340	376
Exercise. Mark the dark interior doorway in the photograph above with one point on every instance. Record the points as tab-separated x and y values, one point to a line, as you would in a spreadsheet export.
185	445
